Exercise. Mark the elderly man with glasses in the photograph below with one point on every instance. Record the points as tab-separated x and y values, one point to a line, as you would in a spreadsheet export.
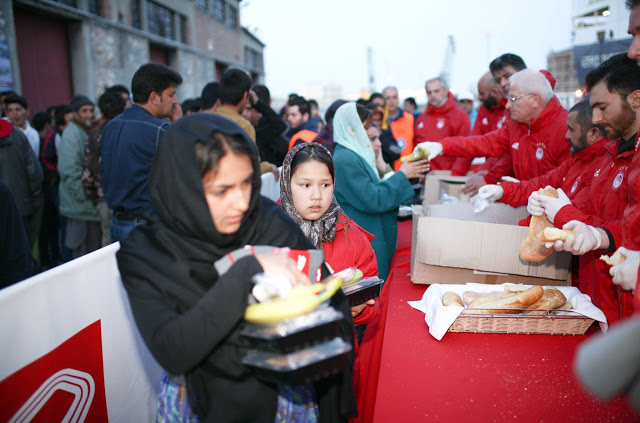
534	137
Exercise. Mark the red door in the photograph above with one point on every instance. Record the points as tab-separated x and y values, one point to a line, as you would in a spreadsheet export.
44	59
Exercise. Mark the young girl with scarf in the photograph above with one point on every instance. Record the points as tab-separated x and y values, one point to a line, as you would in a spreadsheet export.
205	184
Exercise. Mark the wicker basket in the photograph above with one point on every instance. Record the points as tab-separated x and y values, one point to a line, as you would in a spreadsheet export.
565	324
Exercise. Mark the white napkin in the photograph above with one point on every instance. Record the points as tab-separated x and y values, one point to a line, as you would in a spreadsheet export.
440	318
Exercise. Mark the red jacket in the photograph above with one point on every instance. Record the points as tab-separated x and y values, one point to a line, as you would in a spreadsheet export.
352	247
607	200
631	219
573	176
535	148
436	123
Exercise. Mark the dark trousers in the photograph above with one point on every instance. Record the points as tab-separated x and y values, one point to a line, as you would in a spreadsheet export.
49	240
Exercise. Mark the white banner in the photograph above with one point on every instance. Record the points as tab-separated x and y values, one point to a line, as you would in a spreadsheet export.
71	350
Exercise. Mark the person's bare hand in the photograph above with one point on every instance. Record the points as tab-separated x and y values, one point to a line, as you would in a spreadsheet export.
282	264
275	171
473	184
415	169
176	113
357	310
253	98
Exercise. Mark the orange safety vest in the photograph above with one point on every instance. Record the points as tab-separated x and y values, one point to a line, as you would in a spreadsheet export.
304	135
402	130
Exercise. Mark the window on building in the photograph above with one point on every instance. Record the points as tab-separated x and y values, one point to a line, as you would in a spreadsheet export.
136	22
201	5
160	20
95	7
217	10
232	17
184	36
251	57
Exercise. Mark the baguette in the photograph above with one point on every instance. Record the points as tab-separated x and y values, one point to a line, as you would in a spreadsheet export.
532	249
474	299
551	299
515	301
451	298
615	259
555	234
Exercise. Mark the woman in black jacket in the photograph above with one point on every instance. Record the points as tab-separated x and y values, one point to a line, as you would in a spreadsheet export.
205	184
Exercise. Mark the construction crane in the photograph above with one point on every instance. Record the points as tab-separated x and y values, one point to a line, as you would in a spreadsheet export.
447	66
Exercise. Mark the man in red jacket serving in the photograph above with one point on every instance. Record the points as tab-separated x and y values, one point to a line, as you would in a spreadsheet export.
535	135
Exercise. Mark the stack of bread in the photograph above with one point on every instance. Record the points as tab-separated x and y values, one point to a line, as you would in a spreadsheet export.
513	299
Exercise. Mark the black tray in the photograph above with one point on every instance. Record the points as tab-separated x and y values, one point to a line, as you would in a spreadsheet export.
364	290
294	334
303	366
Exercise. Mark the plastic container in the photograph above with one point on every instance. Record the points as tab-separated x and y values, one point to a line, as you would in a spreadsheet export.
303	366
364	290
300	332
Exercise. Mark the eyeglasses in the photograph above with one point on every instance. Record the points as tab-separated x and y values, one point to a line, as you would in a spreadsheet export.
514	99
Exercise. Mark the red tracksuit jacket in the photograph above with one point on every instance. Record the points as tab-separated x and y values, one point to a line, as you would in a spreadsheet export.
535	148
488	120
631	220
436	123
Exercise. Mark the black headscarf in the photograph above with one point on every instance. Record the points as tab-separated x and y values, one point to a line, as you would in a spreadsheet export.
189	316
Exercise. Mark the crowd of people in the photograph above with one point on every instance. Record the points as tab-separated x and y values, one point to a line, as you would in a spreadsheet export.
178	186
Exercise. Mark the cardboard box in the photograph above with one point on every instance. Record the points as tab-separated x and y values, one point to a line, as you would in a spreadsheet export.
451	244
441	180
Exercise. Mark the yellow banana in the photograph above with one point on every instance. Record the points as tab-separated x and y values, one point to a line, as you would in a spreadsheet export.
303	300
422	154
358	275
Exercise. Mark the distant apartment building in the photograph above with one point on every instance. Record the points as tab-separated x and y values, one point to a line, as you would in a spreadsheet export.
51	50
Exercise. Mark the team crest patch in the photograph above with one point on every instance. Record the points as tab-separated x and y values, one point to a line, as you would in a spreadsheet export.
618	181
421	125
595	175
440	124
485	121
539	153
401	143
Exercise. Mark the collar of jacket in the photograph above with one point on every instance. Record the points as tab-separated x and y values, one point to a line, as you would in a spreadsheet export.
399	114
592	151
448	105
547	116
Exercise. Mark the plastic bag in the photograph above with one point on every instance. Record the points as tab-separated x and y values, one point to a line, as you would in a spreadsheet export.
448	199
479	203
270	287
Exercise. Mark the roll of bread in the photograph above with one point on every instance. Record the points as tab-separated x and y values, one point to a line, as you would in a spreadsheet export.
451	298
614	259
515	301
474	299
512	288
555	234
532	249
551	299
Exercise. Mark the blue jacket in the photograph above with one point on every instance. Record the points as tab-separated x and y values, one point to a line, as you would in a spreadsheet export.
371	203
128	144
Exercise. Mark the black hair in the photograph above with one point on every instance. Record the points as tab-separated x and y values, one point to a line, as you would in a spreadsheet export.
234	84
374	96
58	113
507	59
118	88
191	105
584	116
40	120
209	153
210	95
363	113
619	73
632	4
303	105
153	78
313	152
411	100
111	104
312	102
263	93
361	101
331	111
15	98
6	93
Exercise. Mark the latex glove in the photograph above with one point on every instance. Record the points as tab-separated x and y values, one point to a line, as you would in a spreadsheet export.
510	179
626	273
587	238
553	205
434	149
533	205
473	184
491	192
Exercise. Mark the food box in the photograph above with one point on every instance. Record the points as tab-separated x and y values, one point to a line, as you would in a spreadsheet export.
452	244
303	366
441	180
300	332
362	291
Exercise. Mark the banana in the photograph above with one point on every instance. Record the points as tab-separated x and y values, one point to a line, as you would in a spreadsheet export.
301	300
356	277
422	154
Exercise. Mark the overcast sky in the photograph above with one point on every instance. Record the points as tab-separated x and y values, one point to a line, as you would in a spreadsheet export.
325	41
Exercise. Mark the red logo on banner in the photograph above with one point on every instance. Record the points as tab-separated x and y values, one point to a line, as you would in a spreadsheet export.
66	384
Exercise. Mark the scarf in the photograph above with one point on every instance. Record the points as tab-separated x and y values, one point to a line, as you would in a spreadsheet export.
318	231
349	132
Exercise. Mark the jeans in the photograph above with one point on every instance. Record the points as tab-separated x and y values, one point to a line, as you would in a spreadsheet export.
121	229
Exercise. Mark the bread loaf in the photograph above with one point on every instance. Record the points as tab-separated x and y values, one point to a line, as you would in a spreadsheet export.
515	301
551	299
451	298
532	249
614	259
473	298
555	234
512	288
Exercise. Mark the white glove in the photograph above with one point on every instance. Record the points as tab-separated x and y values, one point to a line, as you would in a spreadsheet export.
434	149
491	192
552	205
533	205
626	273
510	179
587	238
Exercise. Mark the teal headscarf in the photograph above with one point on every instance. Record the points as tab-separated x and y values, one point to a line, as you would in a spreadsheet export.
349	132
